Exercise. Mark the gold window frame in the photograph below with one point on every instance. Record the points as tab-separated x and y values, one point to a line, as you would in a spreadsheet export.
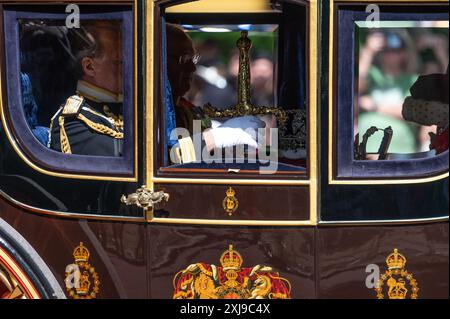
311	182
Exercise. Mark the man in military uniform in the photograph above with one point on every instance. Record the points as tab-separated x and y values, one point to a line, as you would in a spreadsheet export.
91	122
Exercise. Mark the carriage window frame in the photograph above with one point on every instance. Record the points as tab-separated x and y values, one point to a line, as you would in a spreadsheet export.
344	83
38	156
166	172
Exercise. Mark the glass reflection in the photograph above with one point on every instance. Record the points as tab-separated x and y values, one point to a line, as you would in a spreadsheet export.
402	66
71	80
225	77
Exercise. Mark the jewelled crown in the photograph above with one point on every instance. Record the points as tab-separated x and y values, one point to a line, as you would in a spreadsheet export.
231	259
81	253
396	260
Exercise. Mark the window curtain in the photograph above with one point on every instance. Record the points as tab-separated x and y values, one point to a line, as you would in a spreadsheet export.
292	62
169	106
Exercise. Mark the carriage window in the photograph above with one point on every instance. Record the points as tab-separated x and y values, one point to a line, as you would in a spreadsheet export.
77	107
235	95
390	95
71	89
402	97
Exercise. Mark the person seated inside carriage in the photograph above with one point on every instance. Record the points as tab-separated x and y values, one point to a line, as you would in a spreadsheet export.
91	121
181	66
243	137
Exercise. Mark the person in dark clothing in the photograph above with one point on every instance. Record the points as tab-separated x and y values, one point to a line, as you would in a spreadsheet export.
181	66
91	122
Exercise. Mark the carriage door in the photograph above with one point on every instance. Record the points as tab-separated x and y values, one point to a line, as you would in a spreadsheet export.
232	106
384	141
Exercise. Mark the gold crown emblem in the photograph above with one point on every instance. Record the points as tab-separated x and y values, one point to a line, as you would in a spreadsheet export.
396	260
231	259
81	253
230	192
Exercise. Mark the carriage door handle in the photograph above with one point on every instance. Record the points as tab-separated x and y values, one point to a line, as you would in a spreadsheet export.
145	198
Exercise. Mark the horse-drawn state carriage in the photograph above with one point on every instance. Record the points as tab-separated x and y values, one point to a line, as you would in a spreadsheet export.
258	149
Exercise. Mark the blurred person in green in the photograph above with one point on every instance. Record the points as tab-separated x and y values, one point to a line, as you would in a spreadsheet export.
386	74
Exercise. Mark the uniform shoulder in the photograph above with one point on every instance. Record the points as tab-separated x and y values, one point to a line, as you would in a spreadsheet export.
73	105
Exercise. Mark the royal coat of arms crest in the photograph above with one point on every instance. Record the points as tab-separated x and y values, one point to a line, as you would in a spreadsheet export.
82	281
230	281
400	284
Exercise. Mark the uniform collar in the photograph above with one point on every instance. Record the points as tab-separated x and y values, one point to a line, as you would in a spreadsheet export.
97	94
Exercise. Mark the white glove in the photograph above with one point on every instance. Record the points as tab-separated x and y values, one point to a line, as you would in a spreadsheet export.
215	123
227	137
245	122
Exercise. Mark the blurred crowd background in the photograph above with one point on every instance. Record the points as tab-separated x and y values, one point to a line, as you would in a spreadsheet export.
390	60
215	80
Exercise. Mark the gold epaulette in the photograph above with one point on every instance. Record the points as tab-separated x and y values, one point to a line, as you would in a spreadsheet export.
73	107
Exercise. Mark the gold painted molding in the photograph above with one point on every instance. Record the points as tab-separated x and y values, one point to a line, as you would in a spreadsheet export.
221	222
211	181
216	6
392	1
400	222
389	181
313	111
68	215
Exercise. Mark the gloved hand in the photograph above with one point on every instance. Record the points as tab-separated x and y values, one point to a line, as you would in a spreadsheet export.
245	122
227	137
